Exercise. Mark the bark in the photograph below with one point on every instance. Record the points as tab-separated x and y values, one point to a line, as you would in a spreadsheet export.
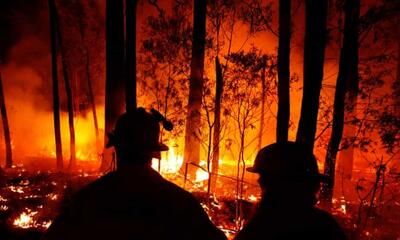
217	123
56	99
347	77
6	128
262	117
397	83
130	92
115	82
283	71
68	89
314	53
193	119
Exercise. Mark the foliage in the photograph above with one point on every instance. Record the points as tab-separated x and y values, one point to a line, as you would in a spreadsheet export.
164	60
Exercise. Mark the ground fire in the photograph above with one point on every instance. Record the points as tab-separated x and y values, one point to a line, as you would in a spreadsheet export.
223	80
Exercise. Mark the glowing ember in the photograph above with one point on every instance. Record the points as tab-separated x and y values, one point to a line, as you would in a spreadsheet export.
16	189
253	198
52	196
3	208
2	199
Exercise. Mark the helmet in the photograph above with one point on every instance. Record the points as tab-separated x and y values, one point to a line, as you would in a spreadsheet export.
139	130
287	160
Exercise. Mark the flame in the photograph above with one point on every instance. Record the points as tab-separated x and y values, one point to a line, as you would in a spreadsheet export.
201	175
25	219
170	162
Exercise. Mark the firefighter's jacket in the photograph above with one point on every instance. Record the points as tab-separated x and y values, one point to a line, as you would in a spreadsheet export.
133	203
287	219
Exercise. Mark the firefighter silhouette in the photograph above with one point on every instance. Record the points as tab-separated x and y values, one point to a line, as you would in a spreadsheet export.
289	181
134	202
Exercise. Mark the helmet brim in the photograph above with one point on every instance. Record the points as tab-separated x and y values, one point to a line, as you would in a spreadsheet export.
318	177
252	170
161	147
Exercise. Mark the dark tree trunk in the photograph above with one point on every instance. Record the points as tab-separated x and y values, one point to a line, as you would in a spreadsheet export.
6	128
56	99
283	71
397	83
217	122
115	82
262	117
347	77
68	89
314	53
130	93
193	119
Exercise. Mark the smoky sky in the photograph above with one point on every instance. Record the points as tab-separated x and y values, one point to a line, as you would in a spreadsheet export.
16	17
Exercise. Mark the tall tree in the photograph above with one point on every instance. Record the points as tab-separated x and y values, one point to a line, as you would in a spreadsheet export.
313	66
115	82
217	122
68	90
130	93
347	78
193	119
56	99
6	128
283	71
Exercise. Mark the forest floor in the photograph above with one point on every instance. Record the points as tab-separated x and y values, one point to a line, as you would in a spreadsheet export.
30	200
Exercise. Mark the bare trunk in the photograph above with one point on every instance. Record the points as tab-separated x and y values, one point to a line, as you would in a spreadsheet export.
262	117
130	91
6	129
283	71
115	83
346	155
70	101
314	53
193	119
397	83
56	100
348	75
217	123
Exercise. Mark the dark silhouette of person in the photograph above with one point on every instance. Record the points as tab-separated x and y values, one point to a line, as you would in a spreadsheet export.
134	202
289	180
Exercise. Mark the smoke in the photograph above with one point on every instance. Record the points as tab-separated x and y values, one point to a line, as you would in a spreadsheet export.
27	80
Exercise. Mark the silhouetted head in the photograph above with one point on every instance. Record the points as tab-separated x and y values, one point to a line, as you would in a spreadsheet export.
287	169
136	137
